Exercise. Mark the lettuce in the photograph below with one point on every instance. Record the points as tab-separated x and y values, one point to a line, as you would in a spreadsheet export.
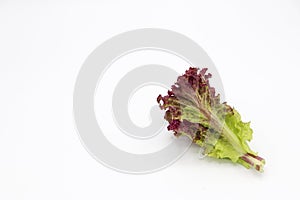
194	110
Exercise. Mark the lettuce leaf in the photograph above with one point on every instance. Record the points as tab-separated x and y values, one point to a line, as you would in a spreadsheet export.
194	110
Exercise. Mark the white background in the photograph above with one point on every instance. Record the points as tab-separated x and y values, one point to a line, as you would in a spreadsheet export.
255	46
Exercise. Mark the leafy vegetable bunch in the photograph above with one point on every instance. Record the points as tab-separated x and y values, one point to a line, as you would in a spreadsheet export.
193	109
